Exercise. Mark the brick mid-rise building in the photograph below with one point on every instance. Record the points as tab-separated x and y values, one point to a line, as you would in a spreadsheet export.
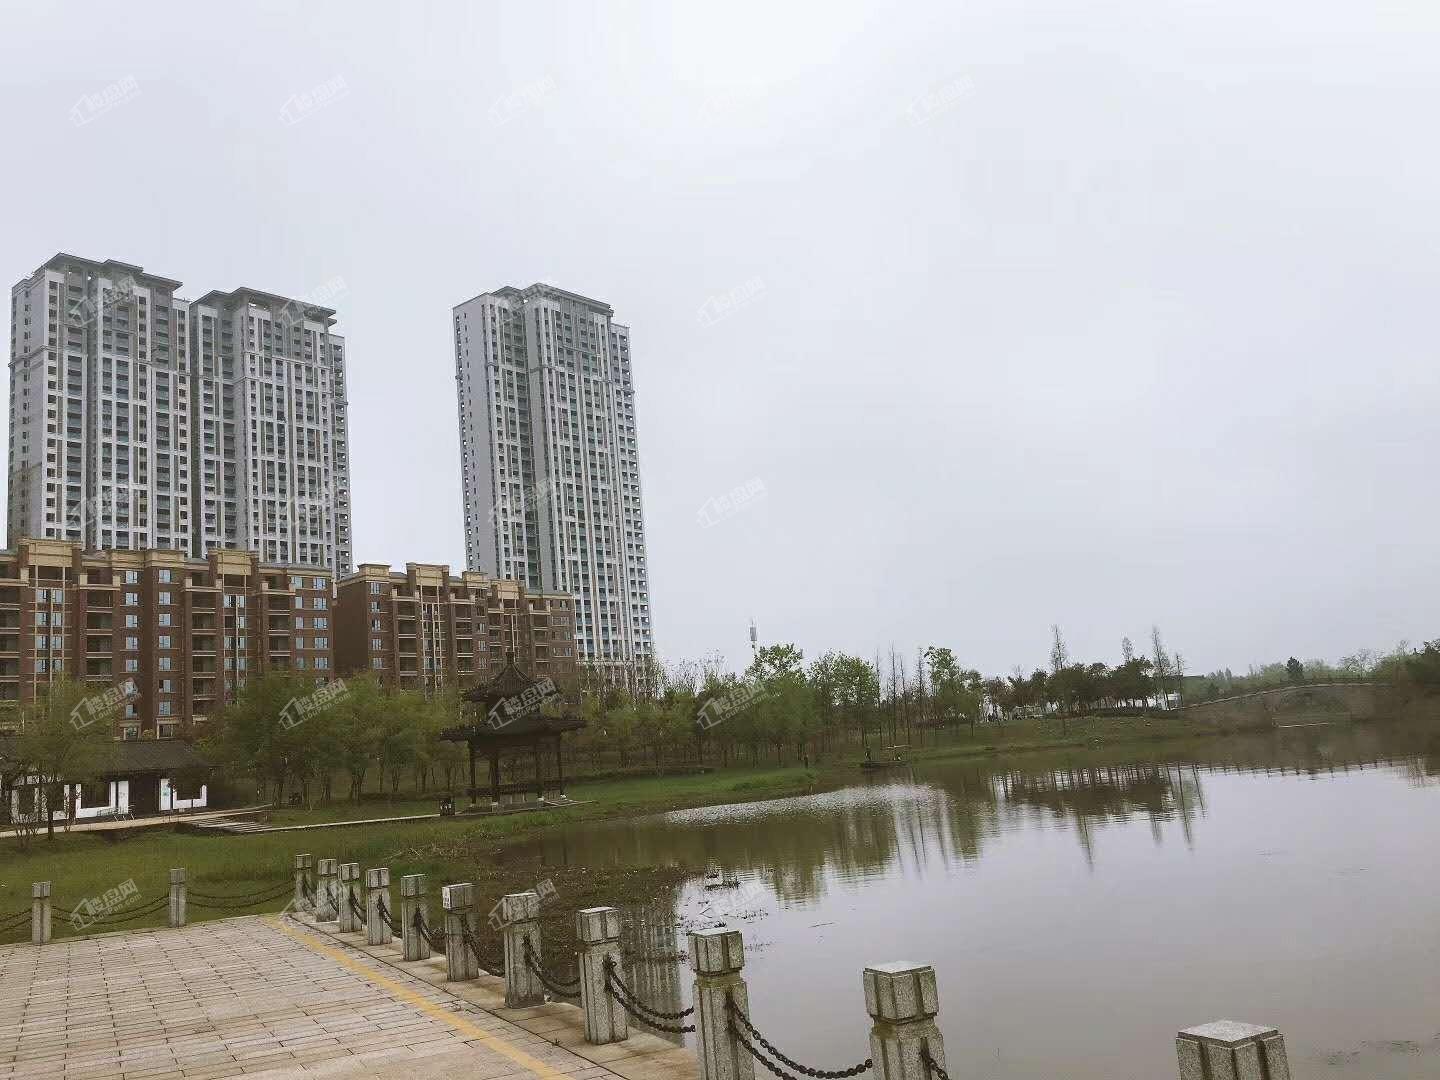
187	632
425	628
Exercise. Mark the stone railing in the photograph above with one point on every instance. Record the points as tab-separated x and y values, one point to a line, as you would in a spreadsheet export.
902	998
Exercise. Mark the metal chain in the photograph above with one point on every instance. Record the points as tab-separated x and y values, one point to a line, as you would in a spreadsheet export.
532	962
132	913
191	894
611	976
635	1009
436	942
243	902
394	924
932	1067
822	1074
739	1036
355	908
474	947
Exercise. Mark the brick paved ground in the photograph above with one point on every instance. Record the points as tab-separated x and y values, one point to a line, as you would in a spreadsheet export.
255	996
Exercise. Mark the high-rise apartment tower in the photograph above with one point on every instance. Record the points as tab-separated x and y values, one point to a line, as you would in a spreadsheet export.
139	420
550	463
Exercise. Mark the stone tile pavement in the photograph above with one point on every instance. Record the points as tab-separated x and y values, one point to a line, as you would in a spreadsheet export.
267	997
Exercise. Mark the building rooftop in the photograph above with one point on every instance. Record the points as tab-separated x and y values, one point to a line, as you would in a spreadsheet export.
63	260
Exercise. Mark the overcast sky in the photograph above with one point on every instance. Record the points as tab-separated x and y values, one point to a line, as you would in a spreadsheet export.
1019	313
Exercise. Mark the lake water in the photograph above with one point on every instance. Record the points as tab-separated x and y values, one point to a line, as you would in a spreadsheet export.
1080	910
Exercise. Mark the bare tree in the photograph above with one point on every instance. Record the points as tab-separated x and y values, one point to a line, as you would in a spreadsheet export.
1162	665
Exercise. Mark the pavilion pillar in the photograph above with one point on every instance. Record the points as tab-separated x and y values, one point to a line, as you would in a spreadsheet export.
495	778
560	763
473	792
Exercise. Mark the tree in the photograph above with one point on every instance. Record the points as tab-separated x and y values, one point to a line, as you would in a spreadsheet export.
1161	670
1295	670
65	736
265	730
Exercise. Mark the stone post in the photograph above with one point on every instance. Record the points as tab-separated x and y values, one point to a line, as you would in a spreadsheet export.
517	917
327	881
902	1001
177	896
349	883
412	899
717	956
39	912
1228	1050
303	865
598	932
377	891
459	904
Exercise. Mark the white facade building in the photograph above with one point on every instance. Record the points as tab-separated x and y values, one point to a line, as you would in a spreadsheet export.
550	464
139	420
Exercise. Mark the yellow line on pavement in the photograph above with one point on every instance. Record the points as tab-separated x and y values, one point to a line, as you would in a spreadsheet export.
404	993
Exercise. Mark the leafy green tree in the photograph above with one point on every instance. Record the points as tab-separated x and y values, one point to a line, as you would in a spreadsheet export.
65	736
1294	670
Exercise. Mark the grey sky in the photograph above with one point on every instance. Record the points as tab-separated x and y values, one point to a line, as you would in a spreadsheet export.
1102	315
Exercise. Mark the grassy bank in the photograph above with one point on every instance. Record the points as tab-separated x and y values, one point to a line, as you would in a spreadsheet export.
86	865
82	865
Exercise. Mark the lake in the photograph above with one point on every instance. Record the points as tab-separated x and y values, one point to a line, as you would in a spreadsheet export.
1079	909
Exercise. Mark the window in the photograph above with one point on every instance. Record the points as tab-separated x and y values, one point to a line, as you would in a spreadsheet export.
164	642
167	731
322	643
377	663
132	622
131	664
165	618
132	599
165	598
321	603
164	663
319	583
299	642
132	577
320	622
300	622
164	578
322	662
132	731
376	644
132	643
166	686
162	709
374	588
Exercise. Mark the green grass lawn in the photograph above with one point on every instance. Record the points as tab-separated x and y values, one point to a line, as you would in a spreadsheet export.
83	865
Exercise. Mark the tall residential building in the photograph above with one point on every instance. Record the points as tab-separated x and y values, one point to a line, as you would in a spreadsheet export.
140	420
550	466
426	628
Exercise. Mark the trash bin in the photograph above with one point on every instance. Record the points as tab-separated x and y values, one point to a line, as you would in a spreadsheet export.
447	806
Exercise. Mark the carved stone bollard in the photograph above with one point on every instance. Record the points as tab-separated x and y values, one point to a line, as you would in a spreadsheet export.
517	917
902	1001
349	882
327	880
303	865
1229	1050
377	891
39	912
459	903
177	896
717	957
598	932
412	899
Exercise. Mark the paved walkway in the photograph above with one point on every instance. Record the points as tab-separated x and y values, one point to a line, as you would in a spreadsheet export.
264	996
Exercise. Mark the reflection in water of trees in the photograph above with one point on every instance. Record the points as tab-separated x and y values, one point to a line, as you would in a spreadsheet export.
943	813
